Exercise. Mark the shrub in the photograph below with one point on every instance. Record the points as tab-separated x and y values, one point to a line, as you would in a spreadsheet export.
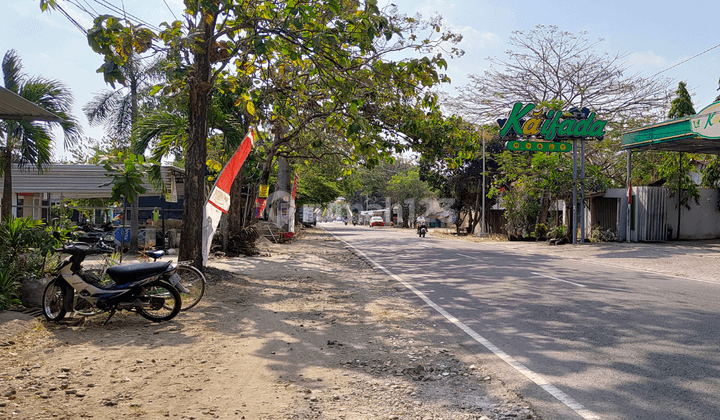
558	232
26	250
541	231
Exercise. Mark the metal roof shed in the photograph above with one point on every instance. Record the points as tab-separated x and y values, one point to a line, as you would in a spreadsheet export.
80	181
15	107
698	133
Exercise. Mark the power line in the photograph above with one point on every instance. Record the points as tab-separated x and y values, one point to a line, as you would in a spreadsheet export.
171	11
128	16
685	61
73	21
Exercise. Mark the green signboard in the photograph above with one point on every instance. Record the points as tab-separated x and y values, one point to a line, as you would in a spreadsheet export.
529	120
539	146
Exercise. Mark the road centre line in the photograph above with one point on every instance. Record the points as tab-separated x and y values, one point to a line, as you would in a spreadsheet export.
557	279
519	367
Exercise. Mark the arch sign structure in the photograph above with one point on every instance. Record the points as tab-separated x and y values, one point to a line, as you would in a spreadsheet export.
530	121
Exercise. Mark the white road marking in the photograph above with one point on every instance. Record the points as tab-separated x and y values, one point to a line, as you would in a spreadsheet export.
557	279
537	379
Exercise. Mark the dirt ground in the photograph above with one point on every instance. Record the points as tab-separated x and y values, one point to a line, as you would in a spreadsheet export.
309	331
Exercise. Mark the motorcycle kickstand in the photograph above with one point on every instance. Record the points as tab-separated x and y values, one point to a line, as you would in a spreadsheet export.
112	312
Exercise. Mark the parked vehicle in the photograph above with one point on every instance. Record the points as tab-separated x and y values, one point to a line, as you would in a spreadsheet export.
377	221
146	288
191	284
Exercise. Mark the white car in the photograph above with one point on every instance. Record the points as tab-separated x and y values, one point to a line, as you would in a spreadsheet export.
377	221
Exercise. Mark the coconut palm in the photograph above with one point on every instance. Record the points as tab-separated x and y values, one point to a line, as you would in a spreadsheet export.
117	111
29	143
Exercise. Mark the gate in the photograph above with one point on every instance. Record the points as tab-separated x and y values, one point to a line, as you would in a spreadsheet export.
605	213
651	213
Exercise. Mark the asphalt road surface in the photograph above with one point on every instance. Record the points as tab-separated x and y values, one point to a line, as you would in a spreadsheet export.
578	340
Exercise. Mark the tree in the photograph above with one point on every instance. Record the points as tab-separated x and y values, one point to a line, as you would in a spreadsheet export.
406	186
118	110
674	170
682	105
548	65
29	143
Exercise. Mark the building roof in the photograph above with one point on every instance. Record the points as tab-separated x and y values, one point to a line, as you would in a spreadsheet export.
694	134
80	181
15	107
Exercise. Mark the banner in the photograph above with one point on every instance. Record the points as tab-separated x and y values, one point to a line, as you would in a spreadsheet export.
259	207
264	190
219	200
293	208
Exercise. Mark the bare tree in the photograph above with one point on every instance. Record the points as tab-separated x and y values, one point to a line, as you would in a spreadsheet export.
556	67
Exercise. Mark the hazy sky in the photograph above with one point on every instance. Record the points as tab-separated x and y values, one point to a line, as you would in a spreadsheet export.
656	37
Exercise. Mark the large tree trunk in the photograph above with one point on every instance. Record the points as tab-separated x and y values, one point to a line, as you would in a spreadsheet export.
237	205
199	90
7	184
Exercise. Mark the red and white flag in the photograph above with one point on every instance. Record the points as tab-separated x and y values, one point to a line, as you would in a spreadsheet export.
219	200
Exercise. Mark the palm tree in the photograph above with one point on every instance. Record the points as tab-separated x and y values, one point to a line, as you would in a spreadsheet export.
29	143
117	110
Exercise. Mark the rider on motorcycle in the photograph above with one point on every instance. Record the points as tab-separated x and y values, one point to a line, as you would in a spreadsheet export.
421	223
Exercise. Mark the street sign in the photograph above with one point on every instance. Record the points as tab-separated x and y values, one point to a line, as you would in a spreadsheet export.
539	146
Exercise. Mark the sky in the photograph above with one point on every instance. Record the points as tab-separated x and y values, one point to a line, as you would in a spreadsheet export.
656	38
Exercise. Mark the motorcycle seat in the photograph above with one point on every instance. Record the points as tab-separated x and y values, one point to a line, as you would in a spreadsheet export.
123	274
155	254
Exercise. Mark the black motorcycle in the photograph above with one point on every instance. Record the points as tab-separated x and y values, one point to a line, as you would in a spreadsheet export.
147	288
421	230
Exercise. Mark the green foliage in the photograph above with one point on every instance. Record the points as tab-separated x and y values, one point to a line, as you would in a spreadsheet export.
29	143
682	105
127	176
711	173
316	189
541	231
558	232
26	250
408	185
678	177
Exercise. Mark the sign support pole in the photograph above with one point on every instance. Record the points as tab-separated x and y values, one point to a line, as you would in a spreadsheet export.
628	220
574	206
482	226
582	191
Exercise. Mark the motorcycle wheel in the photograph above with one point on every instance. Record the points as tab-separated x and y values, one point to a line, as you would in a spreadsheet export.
194	281
53	308
161	301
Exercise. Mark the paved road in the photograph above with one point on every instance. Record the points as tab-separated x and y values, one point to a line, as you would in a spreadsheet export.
588	340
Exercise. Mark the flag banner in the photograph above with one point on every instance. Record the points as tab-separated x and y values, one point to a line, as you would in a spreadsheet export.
220	194
219	199
259	207
630	193
291	220
264	190
171	196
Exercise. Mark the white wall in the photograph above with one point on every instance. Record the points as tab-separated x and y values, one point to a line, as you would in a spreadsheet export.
702	221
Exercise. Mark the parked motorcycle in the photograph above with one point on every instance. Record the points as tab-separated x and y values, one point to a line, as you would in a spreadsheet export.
147	288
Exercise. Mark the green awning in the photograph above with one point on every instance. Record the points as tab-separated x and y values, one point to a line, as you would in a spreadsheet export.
694	134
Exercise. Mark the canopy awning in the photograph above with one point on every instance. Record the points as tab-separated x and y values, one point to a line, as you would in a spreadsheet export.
698	133
15	107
